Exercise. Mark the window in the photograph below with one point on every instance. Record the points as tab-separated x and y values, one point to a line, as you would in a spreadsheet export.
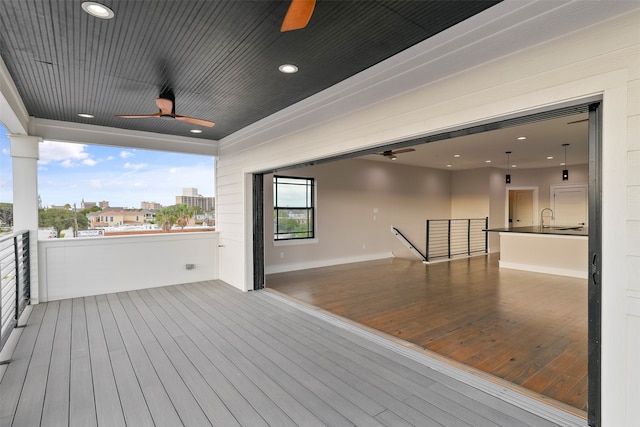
293	208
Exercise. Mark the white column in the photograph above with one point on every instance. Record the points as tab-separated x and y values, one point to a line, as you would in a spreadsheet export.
24	151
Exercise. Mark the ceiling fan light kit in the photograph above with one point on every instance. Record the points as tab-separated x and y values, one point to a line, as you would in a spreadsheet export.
391	154
167	110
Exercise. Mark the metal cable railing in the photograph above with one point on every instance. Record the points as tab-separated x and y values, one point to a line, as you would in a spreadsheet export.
448	238
15	281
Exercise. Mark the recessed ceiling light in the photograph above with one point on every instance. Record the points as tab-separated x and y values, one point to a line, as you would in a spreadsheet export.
562	163
487	161
288	68
456	155
98	10
449	165
514	166
522	138
86	116
196	131
549	157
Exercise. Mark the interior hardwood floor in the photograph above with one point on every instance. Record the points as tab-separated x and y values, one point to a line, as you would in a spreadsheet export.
527	328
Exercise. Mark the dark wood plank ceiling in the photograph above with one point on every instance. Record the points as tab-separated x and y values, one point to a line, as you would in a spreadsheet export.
220	57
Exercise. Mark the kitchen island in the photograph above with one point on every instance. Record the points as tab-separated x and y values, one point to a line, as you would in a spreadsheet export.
553	250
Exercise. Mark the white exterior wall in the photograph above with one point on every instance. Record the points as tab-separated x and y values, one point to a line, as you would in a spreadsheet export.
601	61
71	268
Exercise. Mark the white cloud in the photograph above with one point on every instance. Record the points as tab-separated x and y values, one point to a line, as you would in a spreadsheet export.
89	162
95	183
126	154
134	166
6	151
110	158
53	151
140	185
67	163
174	170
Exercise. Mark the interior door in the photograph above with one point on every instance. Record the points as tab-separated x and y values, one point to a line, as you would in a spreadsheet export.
570	205
521	208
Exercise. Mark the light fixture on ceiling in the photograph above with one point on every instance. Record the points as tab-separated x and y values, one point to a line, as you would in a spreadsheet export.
288	68
522	138
549	157
456	155
393	157
508	176
86	115
98	10
487	161
449	165
196	131
565	171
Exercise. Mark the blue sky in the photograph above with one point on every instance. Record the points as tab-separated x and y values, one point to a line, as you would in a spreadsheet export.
69	173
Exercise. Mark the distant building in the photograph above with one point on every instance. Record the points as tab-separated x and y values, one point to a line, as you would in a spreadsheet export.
117	218
104	204
87	205
191	198
151	206
191	192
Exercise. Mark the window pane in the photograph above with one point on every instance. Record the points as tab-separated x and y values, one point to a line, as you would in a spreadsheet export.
293	208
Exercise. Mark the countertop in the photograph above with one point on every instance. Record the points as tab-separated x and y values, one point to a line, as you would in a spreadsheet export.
536	229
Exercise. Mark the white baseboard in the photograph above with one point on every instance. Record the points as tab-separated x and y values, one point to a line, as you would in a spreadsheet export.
282	268
542	269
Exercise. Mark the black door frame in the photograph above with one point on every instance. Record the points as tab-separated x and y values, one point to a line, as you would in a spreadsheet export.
595	223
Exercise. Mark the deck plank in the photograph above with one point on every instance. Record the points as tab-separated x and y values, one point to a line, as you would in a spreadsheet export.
108	407
134	406
56	403
82	410
13	379
29	410
158	401
282	355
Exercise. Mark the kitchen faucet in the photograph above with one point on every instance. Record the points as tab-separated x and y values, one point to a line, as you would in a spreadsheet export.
542	216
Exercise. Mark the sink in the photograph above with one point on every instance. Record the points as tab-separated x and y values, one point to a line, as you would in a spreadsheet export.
563	228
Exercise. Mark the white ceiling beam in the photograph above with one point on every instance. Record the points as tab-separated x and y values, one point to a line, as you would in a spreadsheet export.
53	130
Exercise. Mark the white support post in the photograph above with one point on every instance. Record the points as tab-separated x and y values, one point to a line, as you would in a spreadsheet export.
25	153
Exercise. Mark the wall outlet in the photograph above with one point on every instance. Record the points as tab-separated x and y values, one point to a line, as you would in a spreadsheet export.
190	266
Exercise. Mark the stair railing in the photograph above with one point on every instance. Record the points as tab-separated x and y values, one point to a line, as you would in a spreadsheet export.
448	238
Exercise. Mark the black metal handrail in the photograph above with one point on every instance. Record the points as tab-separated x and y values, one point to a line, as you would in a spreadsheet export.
447	238
15	281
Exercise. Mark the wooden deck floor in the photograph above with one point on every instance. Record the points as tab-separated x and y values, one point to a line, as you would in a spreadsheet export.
527	328
206	354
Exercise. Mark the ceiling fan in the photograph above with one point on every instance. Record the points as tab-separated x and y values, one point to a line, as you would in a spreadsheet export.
298	15
391	154
166	103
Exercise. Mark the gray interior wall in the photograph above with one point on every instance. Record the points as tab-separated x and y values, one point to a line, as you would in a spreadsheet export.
348	228
349	192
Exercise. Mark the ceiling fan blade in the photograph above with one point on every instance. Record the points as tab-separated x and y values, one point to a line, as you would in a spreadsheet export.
137	116
298	15
404	150
165	105
195	121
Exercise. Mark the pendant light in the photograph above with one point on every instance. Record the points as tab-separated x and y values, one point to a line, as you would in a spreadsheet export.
565	171
508	177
